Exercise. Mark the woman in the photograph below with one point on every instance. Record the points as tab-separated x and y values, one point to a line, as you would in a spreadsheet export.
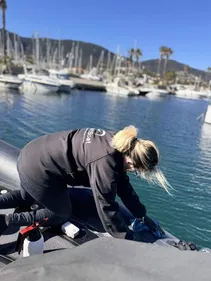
87	157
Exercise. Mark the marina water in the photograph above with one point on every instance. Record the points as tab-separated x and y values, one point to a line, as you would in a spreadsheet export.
183	140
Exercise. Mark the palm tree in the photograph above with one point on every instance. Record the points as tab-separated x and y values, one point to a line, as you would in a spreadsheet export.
167	53
138	54
3	6
131	54
162	52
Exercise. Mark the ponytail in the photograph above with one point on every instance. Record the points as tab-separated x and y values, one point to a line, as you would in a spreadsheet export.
123	140
143	153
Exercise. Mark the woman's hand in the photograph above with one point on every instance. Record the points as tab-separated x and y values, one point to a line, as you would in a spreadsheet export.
155	228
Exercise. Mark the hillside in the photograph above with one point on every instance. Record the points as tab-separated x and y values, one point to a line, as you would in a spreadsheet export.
66	46
92	49
173	65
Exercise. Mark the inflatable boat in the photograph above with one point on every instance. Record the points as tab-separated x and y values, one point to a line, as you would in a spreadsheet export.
85	215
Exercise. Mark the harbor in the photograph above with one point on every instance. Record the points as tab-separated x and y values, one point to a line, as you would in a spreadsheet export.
105	140
55	70
177	133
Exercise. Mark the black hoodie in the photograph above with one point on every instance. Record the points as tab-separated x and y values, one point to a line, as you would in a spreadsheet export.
81	157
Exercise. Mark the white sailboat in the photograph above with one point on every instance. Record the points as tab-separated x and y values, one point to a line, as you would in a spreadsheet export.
191	94
91	71
9	81
191	91
121	87
155	93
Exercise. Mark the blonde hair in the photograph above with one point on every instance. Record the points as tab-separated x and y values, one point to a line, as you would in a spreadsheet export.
143	153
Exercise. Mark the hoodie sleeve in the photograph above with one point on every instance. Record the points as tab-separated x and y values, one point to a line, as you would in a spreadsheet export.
130	198
104	180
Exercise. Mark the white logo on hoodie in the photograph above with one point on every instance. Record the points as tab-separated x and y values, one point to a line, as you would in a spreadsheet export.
93	131
100	132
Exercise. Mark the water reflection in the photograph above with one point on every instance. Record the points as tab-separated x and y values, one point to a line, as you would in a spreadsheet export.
8	96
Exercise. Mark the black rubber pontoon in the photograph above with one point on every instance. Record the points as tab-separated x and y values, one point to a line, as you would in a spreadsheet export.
84	213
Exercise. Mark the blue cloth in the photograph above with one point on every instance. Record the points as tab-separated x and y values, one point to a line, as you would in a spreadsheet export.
138	225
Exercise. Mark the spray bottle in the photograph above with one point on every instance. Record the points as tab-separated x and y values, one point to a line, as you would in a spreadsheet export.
30	239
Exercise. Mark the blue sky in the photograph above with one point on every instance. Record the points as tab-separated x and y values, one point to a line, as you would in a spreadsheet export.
183	25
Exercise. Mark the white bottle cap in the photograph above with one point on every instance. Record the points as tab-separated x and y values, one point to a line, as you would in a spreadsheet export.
3	191
70	229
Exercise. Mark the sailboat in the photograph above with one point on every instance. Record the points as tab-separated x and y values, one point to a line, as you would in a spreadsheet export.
7	80
121	87
92	71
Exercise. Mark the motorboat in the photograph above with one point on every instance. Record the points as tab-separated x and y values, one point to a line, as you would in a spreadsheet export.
66	84
9	81
36	82
39	84
191	94
151	91
157	93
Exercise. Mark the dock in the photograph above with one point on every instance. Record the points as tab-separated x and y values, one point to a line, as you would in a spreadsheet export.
84	84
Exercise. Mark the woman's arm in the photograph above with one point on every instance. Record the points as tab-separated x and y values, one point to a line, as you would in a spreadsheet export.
130	198
104	180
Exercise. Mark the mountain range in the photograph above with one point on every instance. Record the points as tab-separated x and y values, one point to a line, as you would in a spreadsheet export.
152	65
95	50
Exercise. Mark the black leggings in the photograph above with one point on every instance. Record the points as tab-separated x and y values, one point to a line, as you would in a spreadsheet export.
54	202
20	198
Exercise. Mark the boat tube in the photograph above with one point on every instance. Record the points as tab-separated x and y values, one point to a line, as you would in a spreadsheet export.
85	215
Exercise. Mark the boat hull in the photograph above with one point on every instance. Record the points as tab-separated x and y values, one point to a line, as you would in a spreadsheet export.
121	91
188	94
64	89
157	93
9	85
8	81
38	87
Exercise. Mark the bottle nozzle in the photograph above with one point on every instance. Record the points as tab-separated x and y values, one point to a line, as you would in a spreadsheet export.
34	208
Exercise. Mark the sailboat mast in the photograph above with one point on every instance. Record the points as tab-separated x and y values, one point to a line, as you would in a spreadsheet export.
71	57
108	61
117	58
37	50
80	60
59	49
8	44
76	56
15	47
90	63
